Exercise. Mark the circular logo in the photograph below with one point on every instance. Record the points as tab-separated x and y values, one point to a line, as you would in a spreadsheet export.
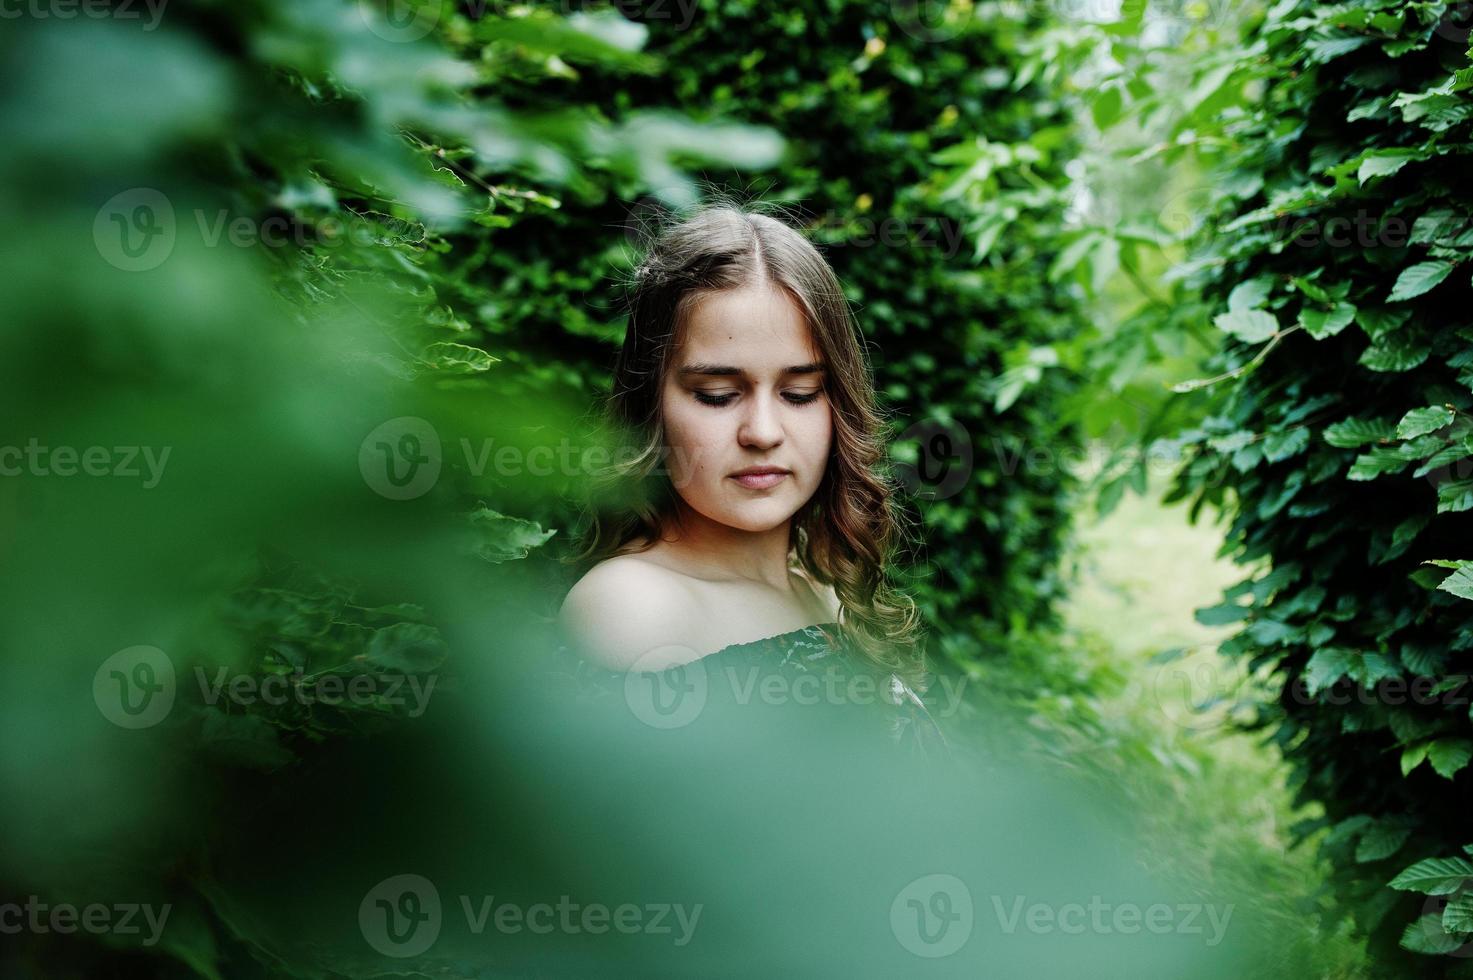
400	916
932	916
1432	924
134	231
943	459
1190	693
1182	217
667	696
930	21
134	688
400	459
1457	24
401	21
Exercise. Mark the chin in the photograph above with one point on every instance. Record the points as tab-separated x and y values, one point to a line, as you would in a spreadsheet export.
752	515
747	521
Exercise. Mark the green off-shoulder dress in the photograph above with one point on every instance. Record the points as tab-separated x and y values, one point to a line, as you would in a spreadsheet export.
811	669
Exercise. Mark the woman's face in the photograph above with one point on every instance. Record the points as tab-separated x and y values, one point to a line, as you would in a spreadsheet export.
744	390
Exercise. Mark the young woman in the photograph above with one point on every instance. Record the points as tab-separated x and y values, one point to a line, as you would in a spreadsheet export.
748	514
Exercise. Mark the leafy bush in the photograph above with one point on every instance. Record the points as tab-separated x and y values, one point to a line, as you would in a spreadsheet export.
1338	437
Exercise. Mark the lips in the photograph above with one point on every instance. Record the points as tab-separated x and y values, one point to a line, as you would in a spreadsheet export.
760	477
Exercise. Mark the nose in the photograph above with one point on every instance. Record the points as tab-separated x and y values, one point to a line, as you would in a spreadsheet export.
760	426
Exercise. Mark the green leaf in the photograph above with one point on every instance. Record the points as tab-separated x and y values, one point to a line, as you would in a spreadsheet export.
457	358
1379	461
1448	755
1377	321
1106	107
1376	667
1268	632
1426	935
1455	496
1394	354
407	648
1320	324
1434	876
1250	294
1458	915
1420	421
1383	164
1312	289
1412	756
1460	582
1326	667
1353	432
1221	615
1281	445
497	538
1405	533
1249	326
1418	279
1383	839
1072	255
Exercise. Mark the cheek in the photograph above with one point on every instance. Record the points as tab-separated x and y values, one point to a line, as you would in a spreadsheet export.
689	434
821	435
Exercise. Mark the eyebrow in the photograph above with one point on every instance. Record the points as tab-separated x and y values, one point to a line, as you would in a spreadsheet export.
726	370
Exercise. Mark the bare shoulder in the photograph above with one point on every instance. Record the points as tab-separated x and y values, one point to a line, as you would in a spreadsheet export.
626	607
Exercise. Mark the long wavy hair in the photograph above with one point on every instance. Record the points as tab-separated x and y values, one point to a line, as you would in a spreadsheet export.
848	533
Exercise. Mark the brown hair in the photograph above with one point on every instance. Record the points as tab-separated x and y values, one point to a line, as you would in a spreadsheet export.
847	533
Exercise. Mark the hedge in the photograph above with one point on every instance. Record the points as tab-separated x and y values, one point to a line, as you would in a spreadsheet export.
1336	267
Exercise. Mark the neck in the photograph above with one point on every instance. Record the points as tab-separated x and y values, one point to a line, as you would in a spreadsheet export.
757	556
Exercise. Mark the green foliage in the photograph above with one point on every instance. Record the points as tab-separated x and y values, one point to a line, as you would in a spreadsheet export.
1335	263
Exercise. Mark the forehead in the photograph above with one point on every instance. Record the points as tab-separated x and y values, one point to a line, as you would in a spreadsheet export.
756	328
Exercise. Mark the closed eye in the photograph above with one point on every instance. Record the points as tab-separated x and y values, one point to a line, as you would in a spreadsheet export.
791	397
